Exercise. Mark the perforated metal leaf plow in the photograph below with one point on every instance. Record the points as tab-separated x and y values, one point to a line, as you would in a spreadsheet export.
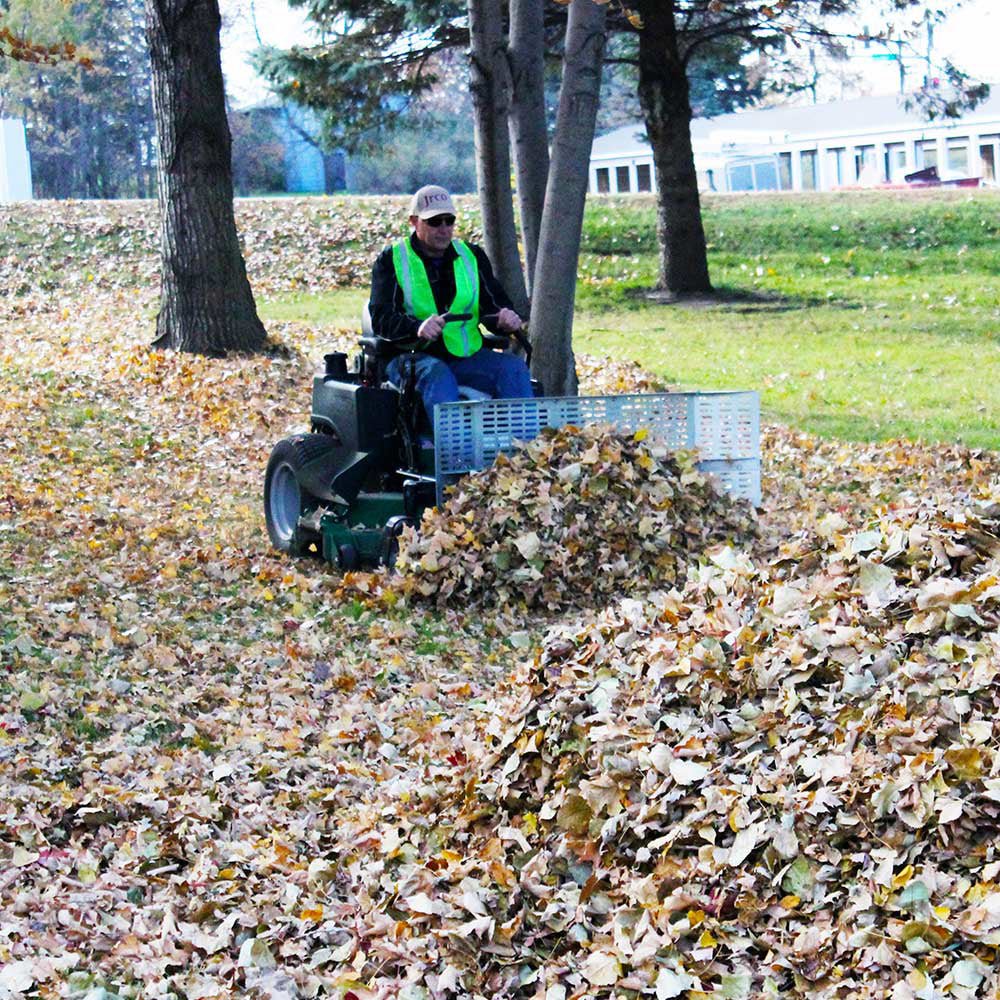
344	490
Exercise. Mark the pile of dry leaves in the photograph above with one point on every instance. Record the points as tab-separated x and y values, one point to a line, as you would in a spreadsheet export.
780	779
573	518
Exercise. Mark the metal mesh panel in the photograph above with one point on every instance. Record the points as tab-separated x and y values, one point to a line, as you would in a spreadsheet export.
723	426
740	477
726	425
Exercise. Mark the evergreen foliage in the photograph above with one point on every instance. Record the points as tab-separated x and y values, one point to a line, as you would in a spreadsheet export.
372	62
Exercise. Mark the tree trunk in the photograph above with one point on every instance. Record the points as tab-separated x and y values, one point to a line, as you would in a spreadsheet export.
562	218
664	96
490	80
206	305
529	133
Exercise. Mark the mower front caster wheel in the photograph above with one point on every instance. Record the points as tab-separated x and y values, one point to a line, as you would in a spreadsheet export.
347	558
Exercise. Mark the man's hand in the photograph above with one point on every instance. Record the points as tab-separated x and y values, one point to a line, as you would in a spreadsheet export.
431	328
508	321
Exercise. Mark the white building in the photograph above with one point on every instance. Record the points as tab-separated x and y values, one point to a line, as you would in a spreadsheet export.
15	168
867	142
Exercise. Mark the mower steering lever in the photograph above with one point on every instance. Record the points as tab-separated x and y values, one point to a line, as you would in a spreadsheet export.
448	317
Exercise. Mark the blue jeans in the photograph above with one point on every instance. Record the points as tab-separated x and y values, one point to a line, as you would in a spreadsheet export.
502	376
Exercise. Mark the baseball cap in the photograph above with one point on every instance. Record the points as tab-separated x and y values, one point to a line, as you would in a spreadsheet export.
431	200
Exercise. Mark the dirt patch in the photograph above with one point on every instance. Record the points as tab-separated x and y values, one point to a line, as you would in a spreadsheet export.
735	300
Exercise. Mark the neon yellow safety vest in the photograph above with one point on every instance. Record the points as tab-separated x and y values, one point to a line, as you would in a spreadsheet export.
461	338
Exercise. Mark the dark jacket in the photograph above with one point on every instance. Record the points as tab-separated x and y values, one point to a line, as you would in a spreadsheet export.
389	319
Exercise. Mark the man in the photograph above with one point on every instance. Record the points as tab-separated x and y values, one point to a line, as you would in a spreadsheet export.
417	282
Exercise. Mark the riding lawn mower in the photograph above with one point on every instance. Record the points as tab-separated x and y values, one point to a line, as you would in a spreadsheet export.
367	468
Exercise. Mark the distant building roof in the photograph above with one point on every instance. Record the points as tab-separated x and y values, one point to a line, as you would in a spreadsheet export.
865	114
626	140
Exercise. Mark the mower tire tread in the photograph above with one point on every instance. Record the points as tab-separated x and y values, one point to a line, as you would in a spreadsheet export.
285	499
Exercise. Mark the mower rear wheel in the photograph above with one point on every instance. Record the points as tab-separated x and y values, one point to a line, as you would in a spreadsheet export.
285	499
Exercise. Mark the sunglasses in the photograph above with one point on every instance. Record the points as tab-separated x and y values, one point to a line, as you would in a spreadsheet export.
440	220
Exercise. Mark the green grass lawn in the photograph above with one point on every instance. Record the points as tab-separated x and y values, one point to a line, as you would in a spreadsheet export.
857	315
337	309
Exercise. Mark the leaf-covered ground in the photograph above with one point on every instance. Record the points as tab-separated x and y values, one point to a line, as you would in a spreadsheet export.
227	773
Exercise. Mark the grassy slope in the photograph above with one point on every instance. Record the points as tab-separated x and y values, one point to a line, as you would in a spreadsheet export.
862	316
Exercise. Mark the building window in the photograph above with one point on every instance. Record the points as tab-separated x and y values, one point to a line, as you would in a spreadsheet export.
603	180
807	160
784	171
835	161
988	157
643	177
760	174
765	176
864	163
622	179
895	161
740	177
927	154
958	155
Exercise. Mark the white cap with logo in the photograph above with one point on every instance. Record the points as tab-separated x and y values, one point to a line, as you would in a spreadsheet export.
431	200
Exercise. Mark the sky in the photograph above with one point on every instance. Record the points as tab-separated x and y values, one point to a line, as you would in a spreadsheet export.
968	39
245	25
